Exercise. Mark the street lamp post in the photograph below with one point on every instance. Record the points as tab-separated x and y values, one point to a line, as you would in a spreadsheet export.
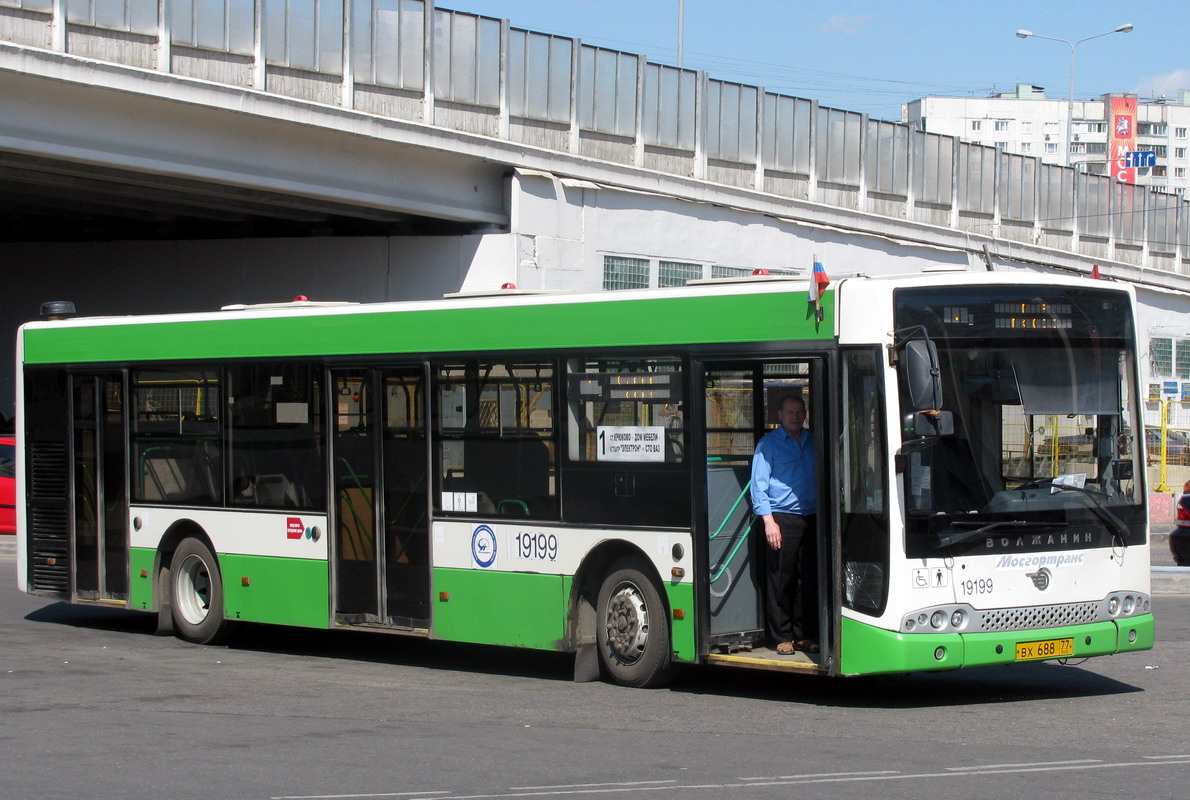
1023	34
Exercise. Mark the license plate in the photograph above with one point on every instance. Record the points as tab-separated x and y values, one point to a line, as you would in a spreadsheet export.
1047	648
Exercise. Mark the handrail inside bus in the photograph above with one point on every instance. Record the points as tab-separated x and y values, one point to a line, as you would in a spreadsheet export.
740	542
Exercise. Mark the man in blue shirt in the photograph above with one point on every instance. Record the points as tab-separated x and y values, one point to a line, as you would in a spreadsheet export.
785	497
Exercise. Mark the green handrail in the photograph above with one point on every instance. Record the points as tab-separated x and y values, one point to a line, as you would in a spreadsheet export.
740	542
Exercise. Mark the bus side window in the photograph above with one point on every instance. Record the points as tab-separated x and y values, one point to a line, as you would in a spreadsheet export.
177	437
498	439
275	436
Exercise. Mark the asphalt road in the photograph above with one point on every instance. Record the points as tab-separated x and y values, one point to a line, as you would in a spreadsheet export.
94	705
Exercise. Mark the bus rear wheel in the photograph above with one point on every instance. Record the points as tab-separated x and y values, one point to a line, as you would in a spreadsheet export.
632	627
196	594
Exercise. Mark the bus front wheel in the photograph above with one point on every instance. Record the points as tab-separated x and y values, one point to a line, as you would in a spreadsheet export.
632	627
196	593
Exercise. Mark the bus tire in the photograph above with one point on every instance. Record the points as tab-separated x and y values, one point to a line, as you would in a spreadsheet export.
196	593
632	627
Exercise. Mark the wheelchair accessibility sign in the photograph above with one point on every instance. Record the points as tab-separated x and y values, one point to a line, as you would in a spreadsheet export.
929	578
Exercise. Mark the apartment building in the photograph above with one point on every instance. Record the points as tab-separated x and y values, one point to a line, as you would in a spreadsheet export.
1027	122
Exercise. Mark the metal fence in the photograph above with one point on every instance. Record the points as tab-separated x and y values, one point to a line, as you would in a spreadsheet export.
412	60
1167	443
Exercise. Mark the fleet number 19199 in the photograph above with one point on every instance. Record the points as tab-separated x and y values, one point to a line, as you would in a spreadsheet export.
536	546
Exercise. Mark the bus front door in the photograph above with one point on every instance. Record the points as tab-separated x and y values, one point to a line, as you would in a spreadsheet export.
381	507
740	401
99	529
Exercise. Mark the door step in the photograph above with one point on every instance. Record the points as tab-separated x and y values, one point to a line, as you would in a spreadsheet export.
767	658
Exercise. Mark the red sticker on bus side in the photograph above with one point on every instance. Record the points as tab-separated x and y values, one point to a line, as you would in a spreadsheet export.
294	528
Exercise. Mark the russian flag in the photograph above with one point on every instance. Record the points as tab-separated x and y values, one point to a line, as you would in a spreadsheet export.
818	283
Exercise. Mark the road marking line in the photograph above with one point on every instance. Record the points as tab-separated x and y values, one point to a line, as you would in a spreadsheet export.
1183	755
1027	764
349	796
823	775
892	775
592	785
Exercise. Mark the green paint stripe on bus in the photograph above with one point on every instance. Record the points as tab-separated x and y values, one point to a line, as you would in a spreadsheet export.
140	590
282	591
508	608
866	650
644	322
681	596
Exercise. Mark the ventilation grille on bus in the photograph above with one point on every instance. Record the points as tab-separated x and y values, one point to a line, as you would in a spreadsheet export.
49	520
1028	618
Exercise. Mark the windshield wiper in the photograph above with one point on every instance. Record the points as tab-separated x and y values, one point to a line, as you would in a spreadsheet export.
966	536
1118	528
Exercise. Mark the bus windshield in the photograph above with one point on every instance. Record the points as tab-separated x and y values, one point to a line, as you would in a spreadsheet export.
1044	401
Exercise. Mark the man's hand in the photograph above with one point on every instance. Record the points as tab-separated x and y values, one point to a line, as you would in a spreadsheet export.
772	532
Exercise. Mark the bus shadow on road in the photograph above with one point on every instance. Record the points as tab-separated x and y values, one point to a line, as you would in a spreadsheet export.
97	617
981	685
348	645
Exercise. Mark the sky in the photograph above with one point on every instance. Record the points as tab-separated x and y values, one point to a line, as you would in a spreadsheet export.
874	55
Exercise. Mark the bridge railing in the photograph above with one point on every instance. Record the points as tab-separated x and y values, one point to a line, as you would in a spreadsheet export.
411	60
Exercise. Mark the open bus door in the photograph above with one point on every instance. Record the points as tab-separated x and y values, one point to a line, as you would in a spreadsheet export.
739	403
381	554
99	529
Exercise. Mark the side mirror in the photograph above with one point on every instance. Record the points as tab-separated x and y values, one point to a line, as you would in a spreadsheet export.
921	375
920	423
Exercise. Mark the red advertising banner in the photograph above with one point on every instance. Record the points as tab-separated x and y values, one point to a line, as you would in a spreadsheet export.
1122	139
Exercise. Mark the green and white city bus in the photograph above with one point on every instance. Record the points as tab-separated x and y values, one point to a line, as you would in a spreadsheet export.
570	472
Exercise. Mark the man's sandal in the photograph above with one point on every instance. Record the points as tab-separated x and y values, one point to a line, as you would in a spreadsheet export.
808	645
785	649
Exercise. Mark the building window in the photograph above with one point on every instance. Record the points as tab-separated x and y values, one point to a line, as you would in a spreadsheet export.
677	273
718	271
1026	127
1096	147
1026	147
1179	152
1095	169
1159	149
1158	172
625	273
1179	133
1160	356
1051	128
1183	359
1078	147
1001	125
1152	129
976	124
1051	147
1002	147
1096	127
1179	172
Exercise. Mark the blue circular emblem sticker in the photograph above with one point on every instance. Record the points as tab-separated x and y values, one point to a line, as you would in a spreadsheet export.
483	546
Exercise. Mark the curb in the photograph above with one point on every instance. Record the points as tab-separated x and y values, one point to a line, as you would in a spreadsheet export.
1171	580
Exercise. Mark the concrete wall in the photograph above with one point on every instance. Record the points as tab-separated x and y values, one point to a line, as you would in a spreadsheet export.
565	228
152	277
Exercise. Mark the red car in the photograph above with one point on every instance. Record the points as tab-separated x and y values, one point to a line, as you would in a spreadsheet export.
1179	537
8	485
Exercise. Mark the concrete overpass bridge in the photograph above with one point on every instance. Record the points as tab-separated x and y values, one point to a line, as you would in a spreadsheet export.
181	154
